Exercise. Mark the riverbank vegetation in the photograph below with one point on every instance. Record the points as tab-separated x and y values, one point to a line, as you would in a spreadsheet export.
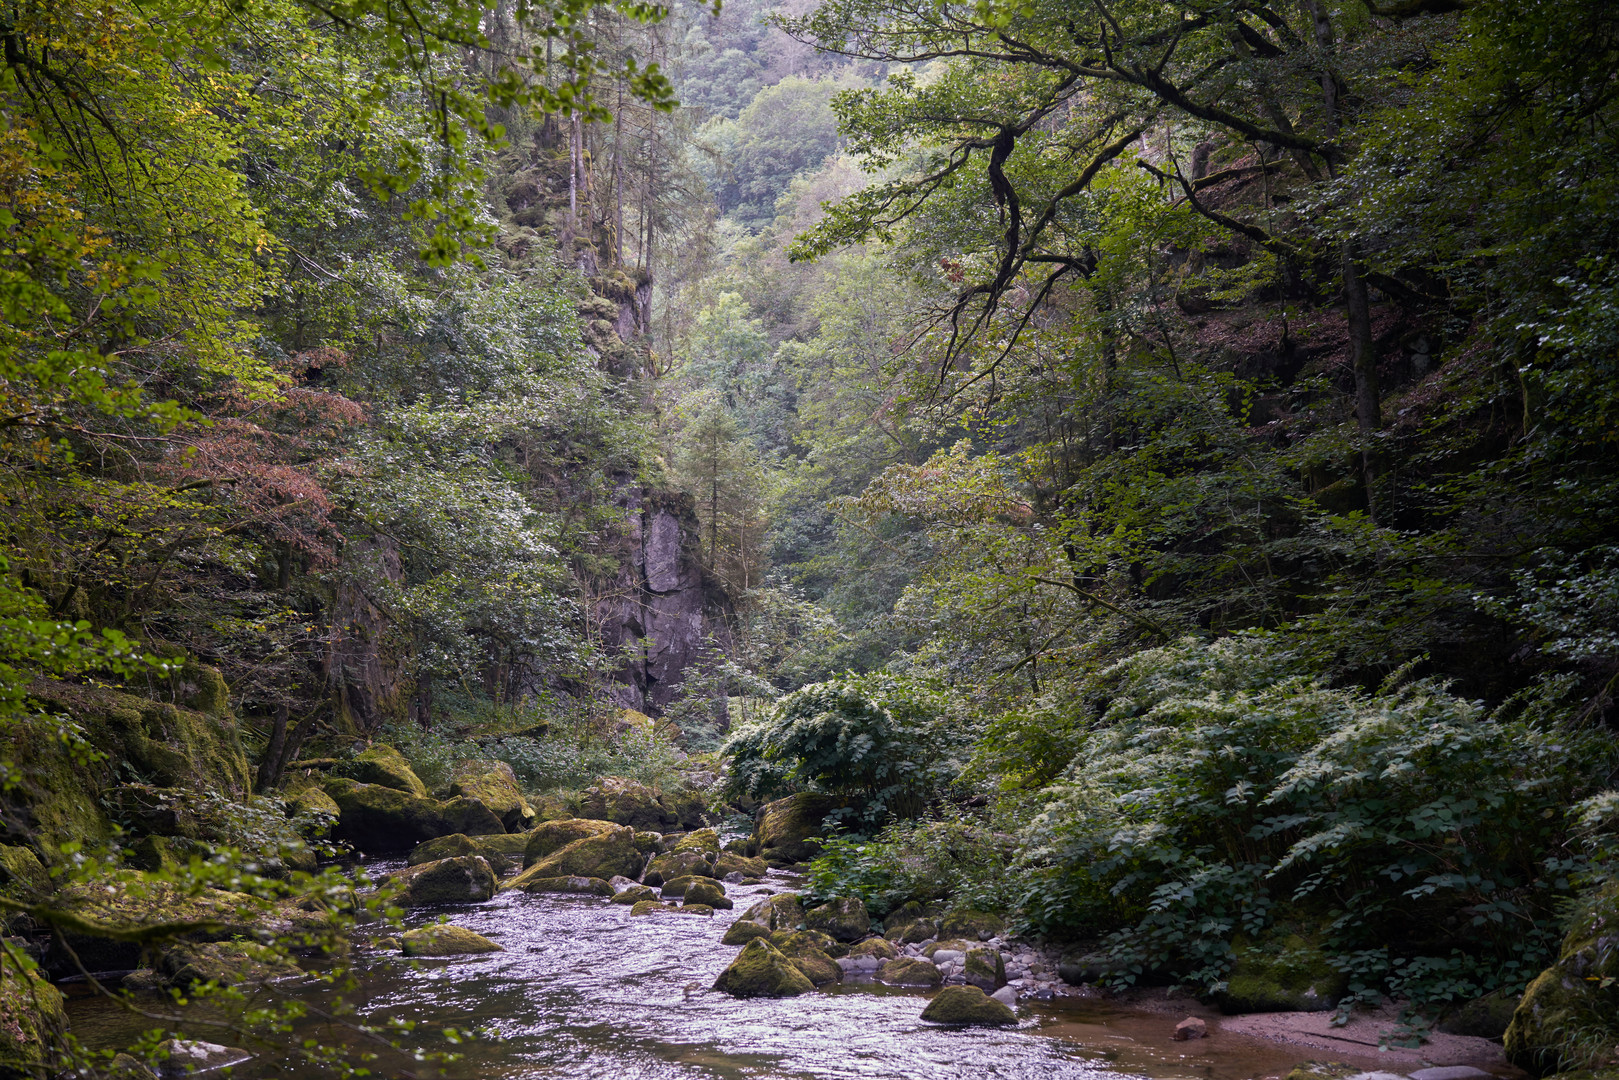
1149	473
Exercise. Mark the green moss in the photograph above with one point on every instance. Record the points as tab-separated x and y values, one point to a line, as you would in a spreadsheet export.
375	818
696	909
635	894
780	912
912	932
382	764
21	872
844	918
876	947
731	863
678	864
649	907
760	970
625	802
443	847
1567	1018
985	969
443	939
703	841
789	830
962	1005
229	963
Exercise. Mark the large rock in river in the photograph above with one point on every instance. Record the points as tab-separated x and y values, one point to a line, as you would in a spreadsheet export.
843	918
789	830
967	1005
779	912
495	785
461	880
443	939
375	818
760	970
605	855
553	836
678	864
625	802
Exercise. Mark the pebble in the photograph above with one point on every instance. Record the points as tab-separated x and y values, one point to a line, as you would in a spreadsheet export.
1007	996
1191	1028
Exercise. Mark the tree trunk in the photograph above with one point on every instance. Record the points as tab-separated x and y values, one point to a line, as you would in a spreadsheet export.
1363	360
270	764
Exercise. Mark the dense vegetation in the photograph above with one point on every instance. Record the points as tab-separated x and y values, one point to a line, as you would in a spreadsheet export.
1153	463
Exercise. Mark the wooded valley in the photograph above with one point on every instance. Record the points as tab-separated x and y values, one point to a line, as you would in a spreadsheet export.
1144	471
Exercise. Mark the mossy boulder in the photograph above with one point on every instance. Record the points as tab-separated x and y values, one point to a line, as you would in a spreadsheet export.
605	855
984	968
843	918
876	948
731	863
807	950
626	802
443	939
382	764
1484	1017
552	836
678	864
310	799
913	932
909	971
948	945
463	879
1568	1017
649	843
971	925
742	931
963	1005
32	1019
470	816
494	784
789	830
650	907
502	855
635	894
375	818
131	900
760	970
780	912
906	912
229	963
703	841
21	872
578	886
689	908
687	807
551	808
1281	974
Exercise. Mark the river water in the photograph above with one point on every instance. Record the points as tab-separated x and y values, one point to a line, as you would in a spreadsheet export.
585	990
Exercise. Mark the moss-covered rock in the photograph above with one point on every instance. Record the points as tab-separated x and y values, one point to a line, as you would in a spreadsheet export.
689	908
375	818
1568	1017
909	971
703	841
789	830
131	900
780	912
494	784
760	970
971	925
985	969
688	808
1323	1070
443	939
180	1058
712	893
742	931
605	855
678	864
1484	1017
843	918
21	872
634	895
945	944
443	847
579	886
1281	974
807	950
651	907
470	816
464	879
731	863
962	1005
905	913
626	802
649	843
229	963
382	764
310	799
552	836
32	1018
876	948
551	808
503	850
912	932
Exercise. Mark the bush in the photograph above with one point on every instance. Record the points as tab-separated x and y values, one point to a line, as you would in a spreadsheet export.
1218	795
951	857
879	739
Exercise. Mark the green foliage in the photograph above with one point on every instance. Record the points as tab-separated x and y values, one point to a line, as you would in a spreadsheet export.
951	857
1221	792
880	739
786	129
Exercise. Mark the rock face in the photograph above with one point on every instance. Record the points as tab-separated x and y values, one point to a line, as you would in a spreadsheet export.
604	855
493	784
659	612
462	880
967	1005
788	830
844	919
442	939
32	1019
382	764
760	970
1567	1008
